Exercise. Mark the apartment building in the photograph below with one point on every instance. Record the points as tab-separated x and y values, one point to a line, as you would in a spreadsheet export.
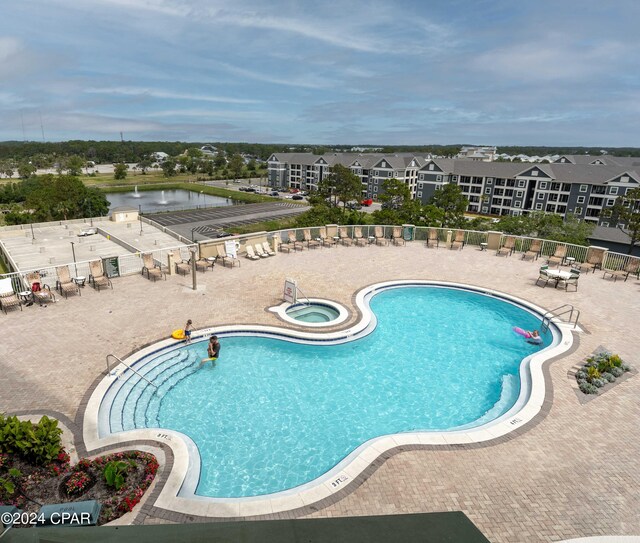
573	184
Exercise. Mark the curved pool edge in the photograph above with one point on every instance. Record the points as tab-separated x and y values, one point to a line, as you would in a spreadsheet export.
178	493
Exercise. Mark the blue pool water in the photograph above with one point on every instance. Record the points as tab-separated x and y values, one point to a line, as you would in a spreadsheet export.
272	414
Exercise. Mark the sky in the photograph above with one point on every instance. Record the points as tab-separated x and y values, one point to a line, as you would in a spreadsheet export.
526	72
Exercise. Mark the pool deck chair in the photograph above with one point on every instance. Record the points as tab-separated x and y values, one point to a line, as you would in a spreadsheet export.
326	240
595	258
571	280
97	277
344	236
41	293
311	243
267	250
358	238
251	254
508	247
150	268
378	233
293	239
8	298
432	240
65	284
458	242
183	267
632	268
396	236
544	276
227	260
558	256
260	251
286	247
534	250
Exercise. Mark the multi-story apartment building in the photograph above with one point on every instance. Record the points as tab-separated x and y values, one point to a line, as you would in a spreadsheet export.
579	185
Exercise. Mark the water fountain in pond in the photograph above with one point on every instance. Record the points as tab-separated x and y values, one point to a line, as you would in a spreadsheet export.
136	194
163	200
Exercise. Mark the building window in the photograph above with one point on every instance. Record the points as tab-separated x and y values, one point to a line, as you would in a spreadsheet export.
489	180
431	167
521	183
485	209
421	176
538	207
454	178
519	193
613	190
438	178
375	172
487	191
611	201
584	188
534	173
624	179
540	196
580	200
605	224
543	185
517	204
578	211
389	174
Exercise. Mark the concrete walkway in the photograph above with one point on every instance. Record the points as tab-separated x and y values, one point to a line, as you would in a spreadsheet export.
573	474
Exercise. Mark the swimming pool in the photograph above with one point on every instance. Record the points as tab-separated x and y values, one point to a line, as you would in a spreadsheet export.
274	414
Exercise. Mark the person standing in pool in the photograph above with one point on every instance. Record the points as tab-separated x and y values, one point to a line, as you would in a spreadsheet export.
187	331
213	350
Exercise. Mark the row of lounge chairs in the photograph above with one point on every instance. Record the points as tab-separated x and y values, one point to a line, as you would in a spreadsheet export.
37	291
342	238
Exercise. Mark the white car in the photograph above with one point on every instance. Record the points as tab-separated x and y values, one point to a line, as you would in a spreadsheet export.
88	232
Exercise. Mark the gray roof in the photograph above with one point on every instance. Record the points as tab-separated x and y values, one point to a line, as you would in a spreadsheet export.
607	233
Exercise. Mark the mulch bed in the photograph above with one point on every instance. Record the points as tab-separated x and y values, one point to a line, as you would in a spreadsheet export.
59	482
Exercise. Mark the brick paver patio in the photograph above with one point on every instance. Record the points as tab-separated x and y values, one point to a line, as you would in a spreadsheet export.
575	472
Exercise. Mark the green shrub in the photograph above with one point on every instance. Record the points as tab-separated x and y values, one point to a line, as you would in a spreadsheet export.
38	443
608	377
115	473
588	388
592	373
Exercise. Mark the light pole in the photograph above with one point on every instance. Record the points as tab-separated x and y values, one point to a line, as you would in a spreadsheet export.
33	236
73	252
140	216
192	230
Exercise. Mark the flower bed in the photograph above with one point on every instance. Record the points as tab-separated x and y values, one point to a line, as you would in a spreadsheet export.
35	470
598	370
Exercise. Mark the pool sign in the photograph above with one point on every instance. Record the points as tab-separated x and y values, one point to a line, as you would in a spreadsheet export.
290	291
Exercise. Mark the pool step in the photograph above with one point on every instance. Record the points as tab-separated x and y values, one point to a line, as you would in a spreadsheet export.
131	389
152	410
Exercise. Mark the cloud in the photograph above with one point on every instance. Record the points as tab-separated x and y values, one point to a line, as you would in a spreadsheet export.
158	93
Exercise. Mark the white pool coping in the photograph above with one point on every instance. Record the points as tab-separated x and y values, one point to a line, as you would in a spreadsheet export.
178	493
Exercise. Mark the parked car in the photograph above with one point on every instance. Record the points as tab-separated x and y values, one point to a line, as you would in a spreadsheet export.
294	191
223	234
88	232
274	193
366	202
250	189
353	205
297	197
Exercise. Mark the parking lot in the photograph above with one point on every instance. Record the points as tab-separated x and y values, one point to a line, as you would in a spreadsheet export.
209	223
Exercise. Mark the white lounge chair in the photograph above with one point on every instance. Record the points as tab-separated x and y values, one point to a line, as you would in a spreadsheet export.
8	298
260	251
251	255
267	249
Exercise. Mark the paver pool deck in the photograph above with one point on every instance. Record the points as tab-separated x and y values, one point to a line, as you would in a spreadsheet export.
573	472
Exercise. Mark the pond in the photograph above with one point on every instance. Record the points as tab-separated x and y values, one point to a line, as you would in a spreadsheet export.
165	200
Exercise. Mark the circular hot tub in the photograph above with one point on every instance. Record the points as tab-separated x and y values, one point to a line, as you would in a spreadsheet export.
313	313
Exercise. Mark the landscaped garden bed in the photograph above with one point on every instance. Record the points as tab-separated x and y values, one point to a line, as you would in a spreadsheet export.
35	471
599	370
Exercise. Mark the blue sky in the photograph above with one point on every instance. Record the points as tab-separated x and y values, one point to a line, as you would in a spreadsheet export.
373	72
